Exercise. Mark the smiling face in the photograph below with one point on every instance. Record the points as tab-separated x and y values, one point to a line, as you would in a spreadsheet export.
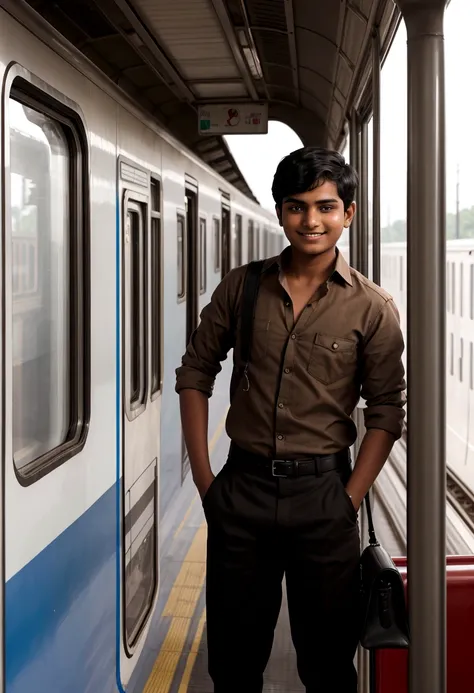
313	221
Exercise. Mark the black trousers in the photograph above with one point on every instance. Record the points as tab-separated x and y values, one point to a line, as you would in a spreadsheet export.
261	528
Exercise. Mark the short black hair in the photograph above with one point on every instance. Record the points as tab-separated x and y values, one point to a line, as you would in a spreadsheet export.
309	167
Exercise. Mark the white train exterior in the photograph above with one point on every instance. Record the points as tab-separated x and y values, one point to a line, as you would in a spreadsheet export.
97	207
459	344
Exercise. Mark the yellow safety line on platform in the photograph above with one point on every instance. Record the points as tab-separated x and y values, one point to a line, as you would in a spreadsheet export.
183	686
181	605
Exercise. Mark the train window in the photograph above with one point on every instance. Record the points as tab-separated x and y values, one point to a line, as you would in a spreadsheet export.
135	304
453	287
238	240
49	325
225	237
461	357
202	256
448	287
181	256
266	249
155	189
257	242
461	289
217	244
451	368
471	294
471	376
251	241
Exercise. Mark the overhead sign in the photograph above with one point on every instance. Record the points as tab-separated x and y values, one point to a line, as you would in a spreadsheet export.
233	119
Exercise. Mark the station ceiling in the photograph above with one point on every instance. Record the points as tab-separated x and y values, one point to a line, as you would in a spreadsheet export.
305	58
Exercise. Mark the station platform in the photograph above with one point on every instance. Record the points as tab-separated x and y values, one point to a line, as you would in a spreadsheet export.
181	665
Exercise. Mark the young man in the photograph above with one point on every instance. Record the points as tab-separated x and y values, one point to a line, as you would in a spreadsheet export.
286	501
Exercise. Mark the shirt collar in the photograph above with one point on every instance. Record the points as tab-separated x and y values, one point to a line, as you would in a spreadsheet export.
341	267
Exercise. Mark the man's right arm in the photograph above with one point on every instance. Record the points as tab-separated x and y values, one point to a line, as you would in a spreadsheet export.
195	378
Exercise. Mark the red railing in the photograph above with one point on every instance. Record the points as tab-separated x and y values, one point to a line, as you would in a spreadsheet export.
392	665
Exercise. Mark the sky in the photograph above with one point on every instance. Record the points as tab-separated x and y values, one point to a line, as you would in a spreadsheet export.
258	155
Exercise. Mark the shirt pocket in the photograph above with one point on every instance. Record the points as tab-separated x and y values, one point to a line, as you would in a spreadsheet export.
332	358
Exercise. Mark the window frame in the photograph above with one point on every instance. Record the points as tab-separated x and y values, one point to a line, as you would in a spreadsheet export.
202	250
217	242
250	240
34	93
133	409
156	321
471	291
238	255
181	269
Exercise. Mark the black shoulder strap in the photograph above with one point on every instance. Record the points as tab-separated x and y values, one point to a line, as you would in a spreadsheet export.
249	302
372	537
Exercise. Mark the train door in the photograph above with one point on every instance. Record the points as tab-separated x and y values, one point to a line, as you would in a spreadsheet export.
191	288
141	398
226	238
192	255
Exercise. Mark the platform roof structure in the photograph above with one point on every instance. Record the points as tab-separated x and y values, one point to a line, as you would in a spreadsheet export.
304	58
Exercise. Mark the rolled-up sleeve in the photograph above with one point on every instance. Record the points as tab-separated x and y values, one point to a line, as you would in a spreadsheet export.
211	341
383	373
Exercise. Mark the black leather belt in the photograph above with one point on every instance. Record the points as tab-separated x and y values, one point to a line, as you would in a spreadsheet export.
316	465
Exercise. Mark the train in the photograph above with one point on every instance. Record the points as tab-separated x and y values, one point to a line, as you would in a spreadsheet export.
114	238
459	355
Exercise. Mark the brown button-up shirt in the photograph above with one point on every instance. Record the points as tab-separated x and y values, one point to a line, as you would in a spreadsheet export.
305	379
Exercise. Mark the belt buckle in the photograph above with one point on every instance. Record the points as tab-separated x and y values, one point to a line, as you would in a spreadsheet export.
274	473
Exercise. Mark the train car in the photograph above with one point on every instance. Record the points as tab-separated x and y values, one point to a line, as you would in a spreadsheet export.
459	343
114	237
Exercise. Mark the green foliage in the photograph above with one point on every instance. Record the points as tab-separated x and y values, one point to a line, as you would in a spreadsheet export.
396	232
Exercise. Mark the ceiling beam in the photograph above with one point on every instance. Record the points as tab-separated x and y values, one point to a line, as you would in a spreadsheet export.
228	28
183	91
290	25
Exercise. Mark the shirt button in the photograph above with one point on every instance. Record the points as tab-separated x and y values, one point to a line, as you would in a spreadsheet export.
280	437
287	304
293	336
335	345
280	405
287	370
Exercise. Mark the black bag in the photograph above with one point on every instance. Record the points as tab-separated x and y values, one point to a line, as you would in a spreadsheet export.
384	616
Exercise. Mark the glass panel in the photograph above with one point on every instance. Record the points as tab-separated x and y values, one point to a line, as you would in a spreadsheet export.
41	296
155	195
140	553
134	287
238	240
202	255
217	245
181	262
471	293
155	304
251	241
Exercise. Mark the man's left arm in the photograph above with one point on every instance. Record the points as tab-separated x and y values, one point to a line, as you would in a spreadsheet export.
383	389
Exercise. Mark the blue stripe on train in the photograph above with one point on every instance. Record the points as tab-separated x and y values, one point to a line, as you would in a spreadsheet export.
60	610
